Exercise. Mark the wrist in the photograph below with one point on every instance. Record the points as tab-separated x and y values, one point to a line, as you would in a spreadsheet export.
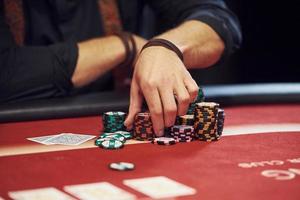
165	44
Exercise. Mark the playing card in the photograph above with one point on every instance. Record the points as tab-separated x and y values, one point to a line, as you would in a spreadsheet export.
42	139
49	193
159	187
98	191
69	139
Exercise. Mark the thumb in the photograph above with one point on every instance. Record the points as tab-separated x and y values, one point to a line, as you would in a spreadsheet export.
136	100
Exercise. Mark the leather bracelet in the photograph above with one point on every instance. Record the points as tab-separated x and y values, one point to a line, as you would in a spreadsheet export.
130	48
164	43
133	49
133	55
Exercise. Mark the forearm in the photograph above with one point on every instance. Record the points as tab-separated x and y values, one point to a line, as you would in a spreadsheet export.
96	57
200	44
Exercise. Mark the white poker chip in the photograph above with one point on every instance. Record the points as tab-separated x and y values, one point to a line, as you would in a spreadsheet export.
121	166
164	141
118	113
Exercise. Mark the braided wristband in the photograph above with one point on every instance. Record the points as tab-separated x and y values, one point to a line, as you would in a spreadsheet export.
164	43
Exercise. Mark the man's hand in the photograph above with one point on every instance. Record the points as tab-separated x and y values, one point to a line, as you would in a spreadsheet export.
168	88
162	78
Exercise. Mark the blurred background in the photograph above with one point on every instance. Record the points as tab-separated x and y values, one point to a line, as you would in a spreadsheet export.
270	48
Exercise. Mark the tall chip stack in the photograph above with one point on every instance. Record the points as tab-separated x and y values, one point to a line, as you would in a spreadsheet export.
113	121
142	127
205	121
113	135
182	133
186	120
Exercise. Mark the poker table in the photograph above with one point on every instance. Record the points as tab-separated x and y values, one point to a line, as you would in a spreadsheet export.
258	156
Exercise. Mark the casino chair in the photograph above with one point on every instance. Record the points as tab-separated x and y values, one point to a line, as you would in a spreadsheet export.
97	103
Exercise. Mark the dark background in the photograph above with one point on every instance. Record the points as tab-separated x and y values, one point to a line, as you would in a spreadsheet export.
270	48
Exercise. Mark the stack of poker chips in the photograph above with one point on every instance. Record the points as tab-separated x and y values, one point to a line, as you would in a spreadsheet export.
142	127
205	124
220	123
206	118
192	106
185	120
182	133
114	140
113	121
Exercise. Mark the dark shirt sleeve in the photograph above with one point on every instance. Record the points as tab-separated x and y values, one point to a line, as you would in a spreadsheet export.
32	72
212	12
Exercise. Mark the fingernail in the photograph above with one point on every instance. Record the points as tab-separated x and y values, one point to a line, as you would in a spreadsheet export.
128	128
160	133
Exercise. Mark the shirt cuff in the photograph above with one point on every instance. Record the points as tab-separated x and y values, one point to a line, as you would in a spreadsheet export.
227	29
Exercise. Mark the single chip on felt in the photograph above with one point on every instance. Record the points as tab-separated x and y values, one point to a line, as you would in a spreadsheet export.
121	166
163	141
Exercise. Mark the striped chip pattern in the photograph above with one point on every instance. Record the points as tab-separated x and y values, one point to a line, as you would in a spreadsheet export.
113	121
206	115
182	133
142	127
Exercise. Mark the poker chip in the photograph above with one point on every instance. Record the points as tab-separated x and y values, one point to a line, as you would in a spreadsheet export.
98	142
183	140
220	123
142	127
206	120
126	134
112	140
182	129
186	120
113	121
182	133
110	143
121	166
204	124
163	141
115	135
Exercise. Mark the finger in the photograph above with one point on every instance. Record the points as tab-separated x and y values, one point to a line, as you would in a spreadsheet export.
192	87
169	105
136	101
152	97
183	98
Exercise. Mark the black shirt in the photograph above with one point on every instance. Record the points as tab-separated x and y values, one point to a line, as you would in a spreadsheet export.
43	67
